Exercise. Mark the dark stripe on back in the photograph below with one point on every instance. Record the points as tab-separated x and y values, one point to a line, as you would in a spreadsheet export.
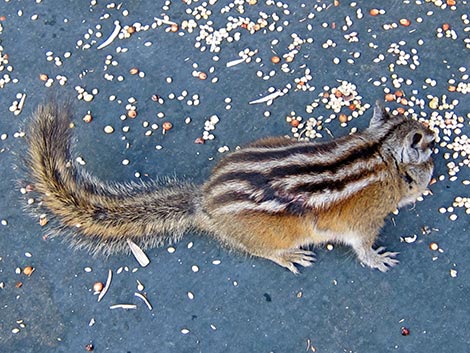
258	179
292	205
336	186
333	167
276	153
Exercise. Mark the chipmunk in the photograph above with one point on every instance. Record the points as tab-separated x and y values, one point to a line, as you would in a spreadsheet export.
270	199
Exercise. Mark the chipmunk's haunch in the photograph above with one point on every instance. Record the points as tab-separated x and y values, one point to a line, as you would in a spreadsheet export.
268	199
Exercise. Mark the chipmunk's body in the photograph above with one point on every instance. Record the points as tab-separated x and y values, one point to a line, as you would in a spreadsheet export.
268	199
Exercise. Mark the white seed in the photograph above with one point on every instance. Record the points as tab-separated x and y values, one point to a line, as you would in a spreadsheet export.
87	97
108	129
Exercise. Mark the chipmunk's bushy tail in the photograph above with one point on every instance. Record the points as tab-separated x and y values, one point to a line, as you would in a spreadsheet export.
97	215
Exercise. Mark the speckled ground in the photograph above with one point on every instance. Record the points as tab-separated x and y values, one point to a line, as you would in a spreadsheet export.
198	65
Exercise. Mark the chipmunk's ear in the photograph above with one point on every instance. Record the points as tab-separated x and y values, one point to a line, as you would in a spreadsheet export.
417	147
380	115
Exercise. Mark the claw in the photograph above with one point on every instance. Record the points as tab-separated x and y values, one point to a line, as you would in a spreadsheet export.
290	258
379	259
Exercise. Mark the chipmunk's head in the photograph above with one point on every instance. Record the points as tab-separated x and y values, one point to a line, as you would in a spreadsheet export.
410	143
408	140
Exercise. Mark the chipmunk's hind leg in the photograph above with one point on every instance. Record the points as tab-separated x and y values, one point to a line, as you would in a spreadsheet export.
278	238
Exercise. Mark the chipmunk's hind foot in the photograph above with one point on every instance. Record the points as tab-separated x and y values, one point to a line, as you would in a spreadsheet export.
291	257
379	259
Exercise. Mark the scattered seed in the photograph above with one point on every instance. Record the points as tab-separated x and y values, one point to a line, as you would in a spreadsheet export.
295	123
405	22
108	129
87	118
98	287
43	221
87	97
28	270
167	126
202	75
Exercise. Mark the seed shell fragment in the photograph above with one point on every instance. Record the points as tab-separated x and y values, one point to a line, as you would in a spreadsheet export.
106	286
144	299
138	253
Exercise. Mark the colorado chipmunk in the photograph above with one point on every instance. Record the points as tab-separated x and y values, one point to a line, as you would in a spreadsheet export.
269	199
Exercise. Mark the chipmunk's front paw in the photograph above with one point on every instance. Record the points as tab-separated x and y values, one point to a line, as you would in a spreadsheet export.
290	258
379	259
